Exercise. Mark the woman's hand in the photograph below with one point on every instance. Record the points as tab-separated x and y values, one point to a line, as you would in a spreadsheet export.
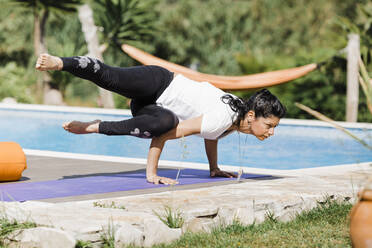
219	173
183	129
162	180
211	150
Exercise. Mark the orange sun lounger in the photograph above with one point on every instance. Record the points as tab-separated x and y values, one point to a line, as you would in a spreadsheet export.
253	81
12	161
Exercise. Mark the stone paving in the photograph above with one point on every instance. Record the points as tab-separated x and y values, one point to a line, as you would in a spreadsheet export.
132	219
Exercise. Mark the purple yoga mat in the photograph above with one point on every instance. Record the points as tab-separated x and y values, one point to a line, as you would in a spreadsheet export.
101	184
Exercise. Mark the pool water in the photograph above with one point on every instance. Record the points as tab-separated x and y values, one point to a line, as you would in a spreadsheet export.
292	146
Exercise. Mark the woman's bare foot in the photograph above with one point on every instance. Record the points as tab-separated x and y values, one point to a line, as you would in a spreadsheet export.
79	127
47	62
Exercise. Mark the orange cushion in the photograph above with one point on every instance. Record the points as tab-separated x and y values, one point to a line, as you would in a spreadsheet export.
12	161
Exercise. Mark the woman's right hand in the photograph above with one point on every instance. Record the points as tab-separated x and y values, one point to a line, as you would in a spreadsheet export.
155	179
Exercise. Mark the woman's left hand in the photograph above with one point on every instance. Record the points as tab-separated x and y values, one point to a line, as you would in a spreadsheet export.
219	173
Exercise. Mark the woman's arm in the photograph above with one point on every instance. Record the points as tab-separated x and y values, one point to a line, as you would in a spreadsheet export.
211	150
183	129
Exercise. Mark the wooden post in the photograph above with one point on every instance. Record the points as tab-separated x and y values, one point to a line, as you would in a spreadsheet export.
352	89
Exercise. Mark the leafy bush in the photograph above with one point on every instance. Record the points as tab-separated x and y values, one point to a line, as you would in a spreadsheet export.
15	82
360	24
264	35
15	35
199	32
65	39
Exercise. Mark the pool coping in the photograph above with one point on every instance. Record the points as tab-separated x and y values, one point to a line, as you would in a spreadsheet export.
177	164
193	165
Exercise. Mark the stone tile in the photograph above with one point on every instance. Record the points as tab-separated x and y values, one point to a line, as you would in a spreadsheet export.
156	232
42	237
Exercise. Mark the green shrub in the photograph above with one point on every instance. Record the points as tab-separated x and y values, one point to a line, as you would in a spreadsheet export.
172	218
15	81
264	35
65	39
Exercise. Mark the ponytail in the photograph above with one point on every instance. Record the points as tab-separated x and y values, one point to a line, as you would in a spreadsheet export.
263	103
237	104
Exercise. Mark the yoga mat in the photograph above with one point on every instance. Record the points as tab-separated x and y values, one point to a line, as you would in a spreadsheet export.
102	184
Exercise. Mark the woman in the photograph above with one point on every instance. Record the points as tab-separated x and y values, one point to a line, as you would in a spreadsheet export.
167	106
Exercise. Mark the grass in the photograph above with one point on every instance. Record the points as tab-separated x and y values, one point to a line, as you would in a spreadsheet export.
7	226
171	218
83	244
108	236
325	226
106	205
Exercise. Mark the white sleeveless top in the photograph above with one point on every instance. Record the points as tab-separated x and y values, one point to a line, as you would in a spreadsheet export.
189	99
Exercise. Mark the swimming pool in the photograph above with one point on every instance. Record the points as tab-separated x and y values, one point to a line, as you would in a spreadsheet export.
293	146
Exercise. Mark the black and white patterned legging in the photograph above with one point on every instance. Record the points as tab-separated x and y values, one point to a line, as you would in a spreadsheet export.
143	84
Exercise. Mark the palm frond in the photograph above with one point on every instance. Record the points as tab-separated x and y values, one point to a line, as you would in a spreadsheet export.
366	83
333	123
125	20
62	5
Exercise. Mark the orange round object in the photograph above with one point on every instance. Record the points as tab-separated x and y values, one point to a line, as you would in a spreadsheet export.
361	221
12	161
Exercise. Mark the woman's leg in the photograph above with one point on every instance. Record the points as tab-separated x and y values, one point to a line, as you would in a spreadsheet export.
148	122
145	83
142	83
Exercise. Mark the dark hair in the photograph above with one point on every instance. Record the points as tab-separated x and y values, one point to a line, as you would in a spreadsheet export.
263	103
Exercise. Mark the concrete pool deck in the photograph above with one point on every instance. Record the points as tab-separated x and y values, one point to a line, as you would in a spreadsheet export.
203	205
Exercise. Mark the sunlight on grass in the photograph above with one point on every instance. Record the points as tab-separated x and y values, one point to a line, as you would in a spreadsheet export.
325	226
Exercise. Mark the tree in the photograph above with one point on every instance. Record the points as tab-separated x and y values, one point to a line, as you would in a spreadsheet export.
91	37
41	10
126	20
120	21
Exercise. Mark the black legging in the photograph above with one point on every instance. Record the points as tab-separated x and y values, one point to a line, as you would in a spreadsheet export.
143	84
